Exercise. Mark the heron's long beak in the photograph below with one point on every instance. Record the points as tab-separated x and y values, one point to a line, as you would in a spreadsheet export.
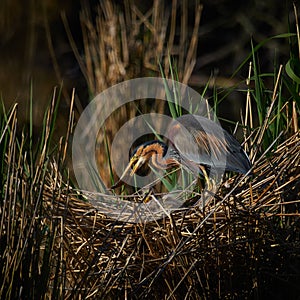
137	165
134	164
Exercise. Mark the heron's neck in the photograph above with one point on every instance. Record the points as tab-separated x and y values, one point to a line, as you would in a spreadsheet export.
163	162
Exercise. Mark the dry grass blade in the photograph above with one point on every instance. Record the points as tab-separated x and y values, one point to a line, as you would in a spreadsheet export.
11	116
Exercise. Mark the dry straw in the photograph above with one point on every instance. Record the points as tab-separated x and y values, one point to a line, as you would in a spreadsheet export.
242	233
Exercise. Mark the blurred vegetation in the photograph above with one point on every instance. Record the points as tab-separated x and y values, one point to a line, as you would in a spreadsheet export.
48	59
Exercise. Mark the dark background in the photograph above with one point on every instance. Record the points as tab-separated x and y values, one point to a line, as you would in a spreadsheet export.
225	34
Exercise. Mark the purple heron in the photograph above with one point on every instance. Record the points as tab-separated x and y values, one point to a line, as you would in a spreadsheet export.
196	143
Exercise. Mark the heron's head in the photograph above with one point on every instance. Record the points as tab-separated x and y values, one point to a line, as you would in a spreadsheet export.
141	156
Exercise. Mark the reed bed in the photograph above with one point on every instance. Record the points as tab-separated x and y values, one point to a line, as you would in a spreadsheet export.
54	243
245	243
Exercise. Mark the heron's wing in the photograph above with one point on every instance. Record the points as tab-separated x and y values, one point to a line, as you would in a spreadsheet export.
203	141
223	151
200	147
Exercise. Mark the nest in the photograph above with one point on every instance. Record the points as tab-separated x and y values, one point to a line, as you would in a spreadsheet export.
244	243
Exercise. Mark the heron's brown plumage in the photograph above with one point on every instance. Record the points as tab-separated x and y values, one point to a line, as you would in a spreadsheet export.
155	151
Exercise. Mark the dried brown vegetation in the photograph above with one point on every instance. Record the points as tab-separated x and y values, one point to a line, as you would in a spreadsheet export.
243	243
237	246
122	43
